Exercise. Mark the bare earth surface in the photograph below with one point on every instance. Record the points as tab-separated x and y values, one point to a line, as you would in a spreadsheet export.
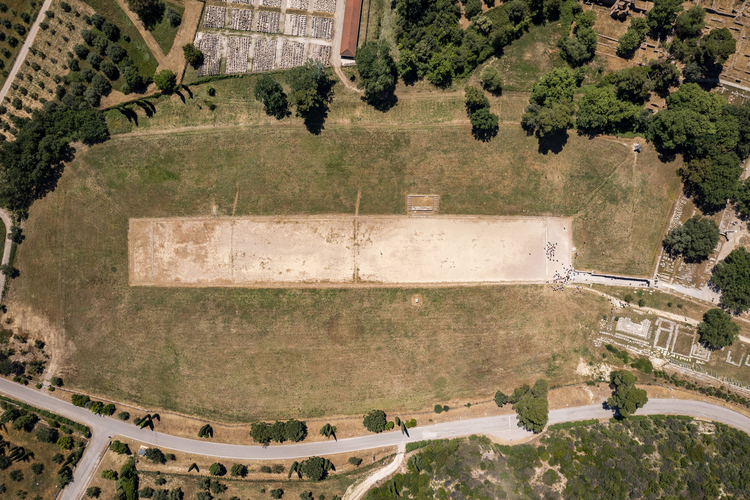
341	250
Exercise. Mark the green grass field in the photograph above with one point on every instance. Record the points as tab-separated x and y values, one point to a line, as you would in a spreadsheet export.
164	32
159	346
137	49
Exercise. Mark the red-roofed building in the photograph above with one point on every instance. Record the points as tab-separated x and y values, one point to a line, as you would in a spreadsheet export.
350	33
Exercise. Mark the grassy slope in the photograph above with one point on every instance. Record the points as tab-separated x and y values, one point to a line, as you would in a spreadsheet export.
276	346
137	49
163	32
44	484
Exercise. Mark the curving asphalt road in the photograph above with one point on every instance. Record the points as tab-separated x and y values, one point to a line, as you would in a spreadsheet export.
504	427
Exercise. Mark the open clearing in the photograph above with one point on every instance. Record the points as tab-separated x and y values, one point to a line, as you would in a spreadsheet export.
160	346
273	251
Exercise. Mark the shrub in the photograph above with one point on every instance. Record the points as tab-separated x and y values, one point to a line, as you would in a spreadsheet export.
166	80
277	493
37	468
16	475
217	469
155	455
500	399
438	409
109	474
123	415
375	421
47	435
79	400
94	492
146	492
355	461
491	80
238	470
173	17
119	447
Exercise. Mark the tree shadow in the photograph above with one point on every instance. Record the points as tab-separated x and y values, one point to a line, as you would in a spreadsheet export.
483	134
315	119
182	97
187	89
131	115
147	107
383	103
553	143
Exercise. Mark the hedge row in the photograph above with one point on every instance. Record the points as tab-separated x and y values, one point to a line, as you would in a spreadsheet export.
717	392
570	425
84	430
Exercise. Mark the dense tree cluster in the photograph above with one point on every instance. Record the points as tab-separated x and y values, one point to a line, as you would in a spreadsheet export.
484	123
626	398
126	487
270	92
291	430
375	421
311	92
580	47
433	45
717	329
712	137
530	403
551	109
732	277
32	164
662	16
695	240
631	40
378	73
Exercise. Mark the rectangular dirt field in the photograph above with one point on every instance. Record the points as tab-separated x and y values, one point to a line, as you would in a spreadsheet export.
347	250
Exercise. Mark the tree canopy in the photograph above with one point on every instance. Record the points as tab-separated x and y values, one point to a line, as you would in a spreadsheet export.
311	91
32	164
694	240
375	421
166	80
531	406
626	398
732	277
663	15
690	23
378	73
270	92
631	40
718	329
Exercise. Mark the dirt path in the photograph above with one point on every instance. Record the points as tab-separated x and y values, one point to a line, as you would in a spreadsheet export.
343	78
147	37
5	216
175	60
359	490
21	57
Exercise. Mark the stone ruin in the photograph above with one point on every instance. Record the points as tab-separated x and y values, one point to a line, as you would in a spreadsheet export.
325	5
292	54
238	53
241	19
214	17
265	54
320	53
210	44
322	27
267	22
298	24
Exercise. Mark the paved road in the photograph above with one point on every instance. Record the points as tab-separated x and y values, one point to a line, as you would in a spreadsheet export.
5	216
24	49
503	427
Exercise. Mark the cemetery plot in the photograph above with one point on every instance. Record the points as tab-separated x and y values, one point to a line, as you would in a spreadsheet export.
214	16
292	54
267	22
297	24
247	2
342	250
321	53
322	27
265	54
238	54
241	19
298	4
210	44
271	3
325	5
